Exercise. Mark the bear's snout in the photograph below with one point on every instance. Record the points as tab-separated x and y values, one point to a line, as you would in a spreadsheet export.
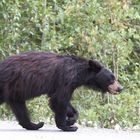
120	89
115	88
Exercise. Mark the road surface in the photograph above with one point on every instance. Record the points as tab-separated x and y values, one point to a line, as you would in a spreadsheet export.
12	131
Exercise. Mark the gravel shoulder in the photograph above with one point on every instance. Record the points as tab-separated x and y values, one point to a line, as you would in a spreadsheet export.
12	131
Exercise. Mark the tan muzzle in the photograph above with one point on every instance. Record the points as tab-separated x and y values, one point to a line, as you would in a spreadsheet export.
115	88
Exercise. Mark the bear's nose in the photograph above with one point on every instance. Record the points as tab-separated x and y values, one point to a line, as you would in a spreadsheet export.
120	89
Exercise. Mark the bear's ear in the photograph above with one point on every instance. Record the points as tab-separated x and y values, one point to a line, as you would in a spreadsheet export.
95	65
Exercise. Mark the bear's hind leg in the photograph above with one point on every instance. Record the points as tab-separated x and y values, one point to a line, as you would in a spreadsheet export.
21	113
1	98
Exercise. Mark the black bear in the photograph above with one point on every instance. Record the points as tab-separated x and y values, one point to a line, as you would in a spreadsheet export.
32	74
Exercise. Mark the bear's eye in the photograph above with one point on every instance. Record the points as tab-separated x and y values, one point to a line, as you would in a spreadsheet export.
112	81
112	77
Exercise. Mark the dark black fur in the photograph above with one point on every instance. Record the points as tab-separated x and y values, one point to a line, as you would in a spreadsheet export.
32	74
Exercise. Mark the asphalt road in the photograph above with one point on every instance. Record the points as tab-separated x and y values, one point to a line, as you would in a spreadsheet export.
12	131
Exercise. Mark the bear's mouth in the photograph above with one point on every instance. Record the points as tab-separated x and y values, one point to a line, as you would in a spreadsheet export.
112	91
115	88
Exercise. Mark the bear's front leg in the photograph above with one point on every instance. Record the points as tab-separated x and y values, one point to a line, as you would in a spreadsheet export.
72	115
60	119
60	109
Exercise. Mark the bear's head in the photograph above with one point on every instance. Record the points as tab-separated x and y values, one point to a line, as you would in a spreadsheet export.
104	79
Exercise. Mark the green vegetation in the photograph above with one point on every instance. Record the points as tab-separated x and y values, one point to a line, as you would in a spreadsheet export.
107	30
